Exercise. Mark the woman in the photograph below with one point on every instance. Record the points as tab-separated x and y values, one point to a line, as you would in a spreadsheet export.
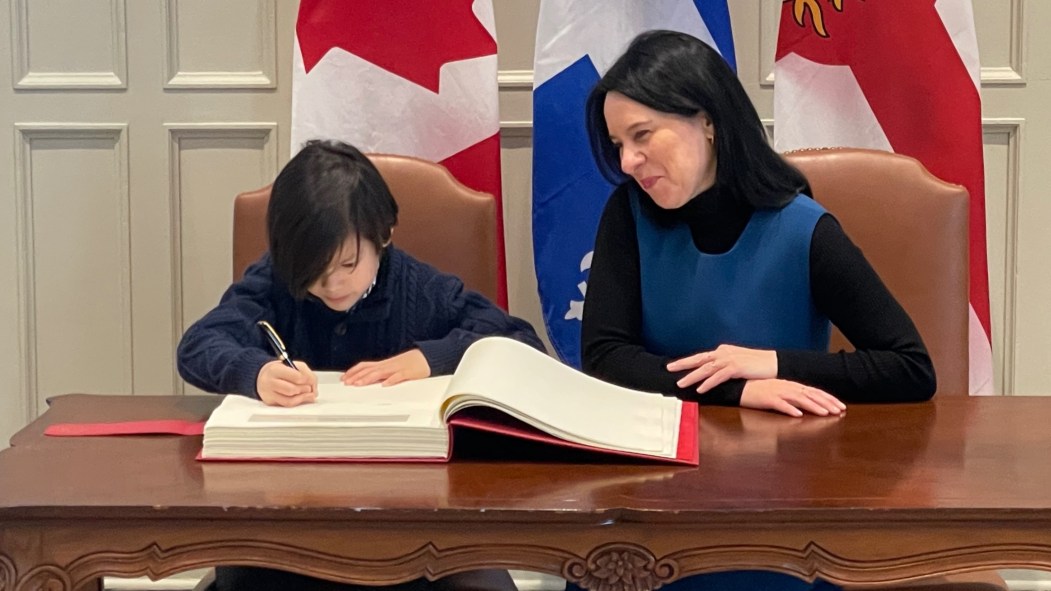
714	276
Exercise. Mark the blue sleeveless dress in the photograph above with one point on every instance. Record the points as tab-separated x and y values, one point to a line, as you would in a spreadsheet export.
757	294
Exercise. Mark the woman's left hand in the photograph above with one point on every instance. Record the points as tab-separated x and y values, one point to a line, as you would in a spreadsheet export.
727	362
410	365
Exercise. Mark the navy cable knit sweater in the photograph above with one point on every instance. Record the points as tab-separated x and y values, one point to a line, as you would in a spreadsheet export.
412	305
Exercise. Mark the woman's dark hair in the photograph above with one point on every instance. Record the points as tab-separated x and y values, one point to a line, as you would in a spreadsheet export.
326	192
676	73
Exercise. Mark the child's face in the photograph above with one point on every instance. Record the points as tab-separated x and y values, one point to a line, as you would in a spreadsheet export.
349	274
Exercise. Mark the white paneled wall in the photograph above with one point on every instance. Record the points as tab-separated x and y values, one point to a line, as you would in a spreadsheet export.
248	58
40	45
63	306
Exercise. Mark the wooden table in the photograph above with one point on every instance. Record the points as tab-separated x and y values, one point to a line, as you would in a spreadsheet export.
883	494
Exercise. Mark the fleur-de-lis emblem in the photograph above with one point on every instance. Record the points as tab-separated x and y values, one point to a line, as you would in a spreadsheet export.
576	307
817	16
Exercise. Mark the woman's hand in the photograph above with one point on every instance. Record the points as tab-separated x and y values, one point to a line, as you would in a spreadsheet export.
280	385
727	362
790	398
410	365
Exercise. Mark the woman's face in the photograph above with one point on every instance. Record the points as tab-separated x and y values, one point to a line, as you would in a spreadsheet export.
349	274
670	156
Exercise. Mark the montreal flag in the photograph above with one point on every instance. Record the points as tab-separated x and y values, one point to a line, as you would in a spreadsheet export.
576	42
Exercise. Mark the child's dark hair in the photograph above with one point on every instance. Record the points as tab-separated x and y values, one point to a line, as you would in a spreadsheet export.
326	192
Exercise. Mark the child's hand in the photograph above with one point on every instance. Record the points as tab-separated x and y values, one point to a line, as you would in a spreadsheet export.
410	365
280	385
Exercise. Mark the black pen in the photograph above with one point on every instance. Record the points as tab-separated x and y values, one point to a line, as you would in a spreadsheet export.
276	344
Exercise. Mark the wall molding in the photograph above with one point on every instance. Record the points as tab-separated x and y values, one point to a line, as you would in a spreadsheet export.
1011	128
516	128
70	80
26	295
266	133
25	135
217	80
1013	74
24	78
769	15
176	78
515	79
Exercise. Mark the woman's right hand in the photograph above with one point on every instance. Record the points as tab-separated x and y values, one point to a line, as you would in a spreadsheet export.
790	398
280	385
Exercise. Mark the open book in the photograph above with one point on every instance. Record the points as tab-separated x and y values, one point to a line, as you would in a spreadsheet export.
501	386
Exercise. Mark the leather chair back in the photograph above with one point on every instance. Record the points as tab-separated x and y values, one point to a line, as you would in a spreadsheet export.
913	229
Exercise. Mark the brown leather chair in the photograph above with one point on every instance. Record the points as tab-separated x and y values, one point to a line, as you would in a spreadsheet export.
440	222
913	228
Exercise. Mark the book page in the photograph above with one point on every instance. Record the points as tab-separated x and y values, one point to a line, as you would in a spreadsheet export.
562	401
399	421
409	404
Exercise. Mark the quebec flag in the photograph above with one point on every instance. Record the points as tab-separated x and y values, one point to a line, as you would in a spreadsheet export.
577	41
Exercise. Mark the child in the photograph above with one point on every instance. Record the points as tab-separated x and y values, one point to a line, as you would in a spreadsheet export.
340	296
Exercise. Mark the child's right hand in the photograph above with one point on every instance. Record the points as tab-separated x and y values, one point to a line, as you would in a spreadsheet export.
280	385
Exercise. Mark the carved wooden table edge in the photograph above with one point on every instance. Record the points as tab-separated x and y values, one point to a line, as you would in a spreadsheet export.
606	566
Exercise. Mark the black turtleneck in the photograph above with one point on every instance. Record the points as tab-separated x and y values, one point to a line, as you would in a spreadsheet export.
890	364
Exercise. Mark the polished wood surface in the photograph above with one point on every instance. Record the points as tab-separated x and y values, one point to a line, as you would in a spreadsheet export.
883	494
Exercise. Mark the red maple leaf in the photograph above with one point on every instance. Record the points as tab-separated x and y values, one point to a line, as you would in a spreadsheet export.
408	38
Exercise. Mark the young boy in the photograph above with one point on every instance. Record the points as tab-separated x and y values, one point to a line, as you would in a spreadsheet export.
341	297
339	294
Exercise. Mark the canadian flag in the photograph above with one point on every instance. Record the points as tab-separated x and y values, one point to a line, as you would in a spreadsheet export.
896	75
403	77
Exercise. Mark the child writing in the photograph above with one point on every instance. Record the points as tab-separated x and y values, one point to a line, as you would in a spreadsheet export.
341	297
